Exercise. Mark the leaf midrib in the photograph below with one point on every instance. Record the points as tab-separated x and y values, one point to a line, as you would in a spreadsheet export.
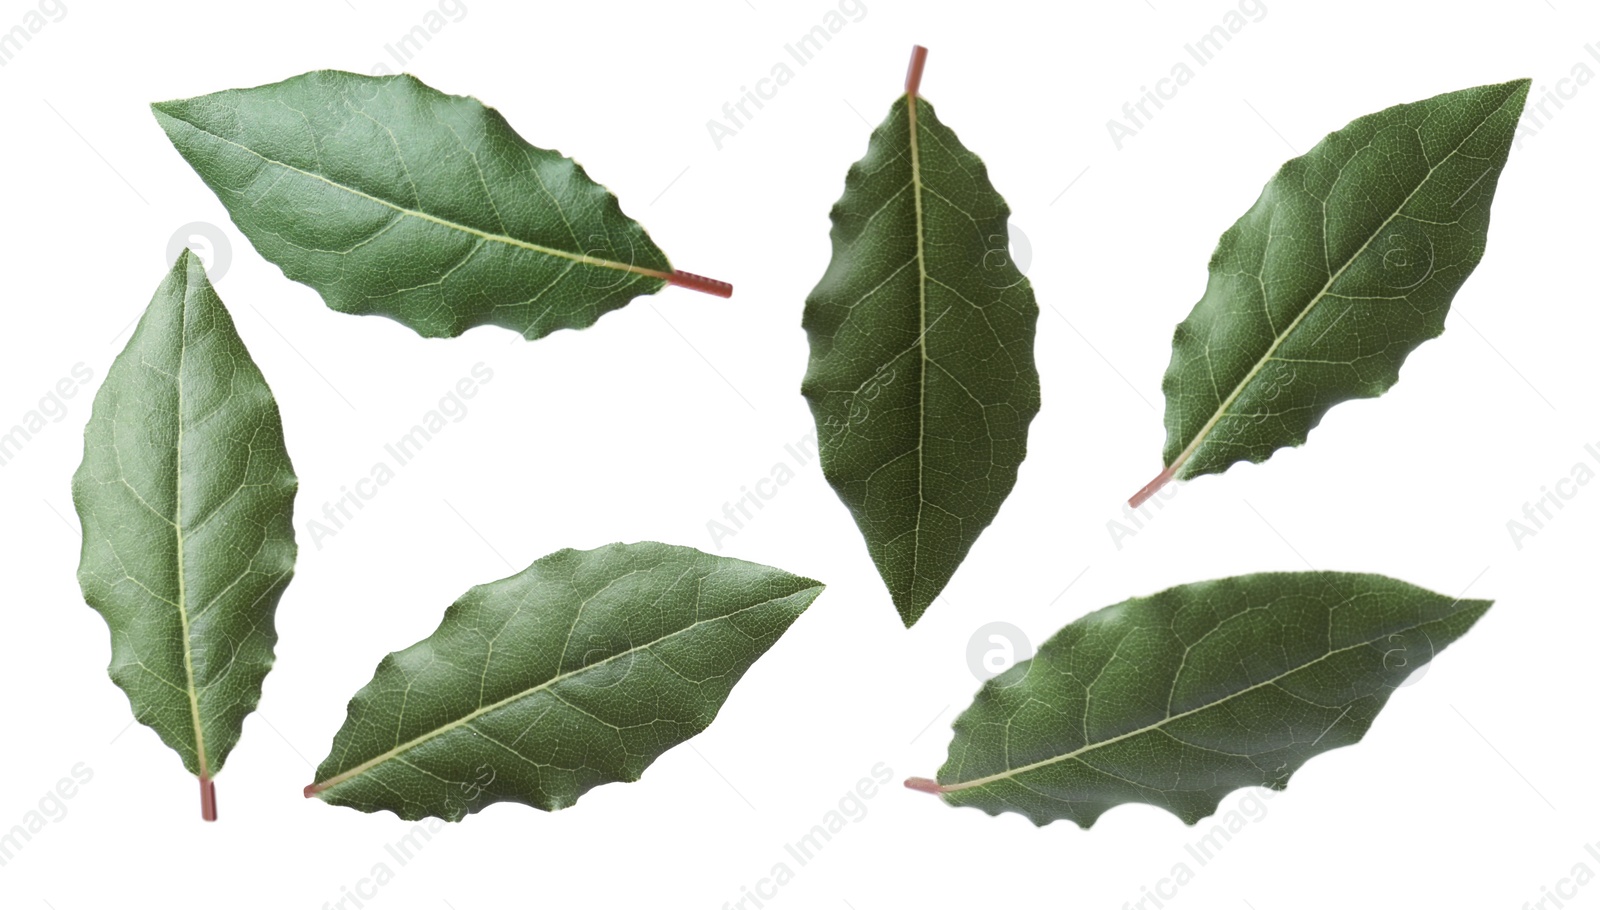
1090	747
580	258
1222	409
177	530
922	334
395	752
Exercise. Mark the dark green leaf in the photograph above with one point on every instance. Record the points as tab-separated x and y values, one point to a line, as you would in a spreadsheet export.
1347	262
921	378
577	671
394	199
186	495
1180	698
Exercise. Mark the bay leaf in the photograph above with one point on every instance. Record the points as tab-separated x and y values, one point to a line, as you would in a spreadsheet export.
392	198
1345	264
1179	698
186	497
921	379
577	671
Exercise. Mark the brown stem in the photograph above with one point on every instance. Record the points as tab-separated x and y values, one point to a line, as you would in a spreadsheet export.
924	785
919	58
1149	489
208	799
700	283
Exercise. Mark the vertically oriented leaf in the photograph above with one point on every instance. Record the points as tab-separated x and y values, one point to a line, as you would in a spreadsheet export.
1347	262
392	198
921	378
1179	698
577	671
186	497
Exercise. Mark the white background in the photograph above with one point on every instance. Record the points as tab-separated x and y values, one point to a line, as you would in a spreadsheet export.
1474	788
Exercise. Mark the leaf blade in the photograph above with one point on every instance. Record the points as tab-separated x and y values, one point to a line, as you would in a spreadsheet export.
1207	687
921	378
391	198
1346	263
639	620
185	495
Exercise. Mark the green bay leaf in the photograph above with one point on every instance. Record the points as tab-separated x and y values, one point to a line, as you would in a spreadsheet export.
579	670
186	496
1179	698
391	198
921	379
1345	264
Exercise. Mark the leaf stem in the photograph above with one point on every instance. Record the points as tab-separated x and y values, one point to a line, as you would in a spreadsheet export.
1149	489
208	799
919	58
700	283
924	785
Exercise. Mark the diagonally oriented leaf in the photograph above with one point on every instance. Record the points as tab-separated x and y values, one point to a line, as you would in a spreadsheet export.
1347	262
577	671
1179	698
186	497
921	378
395	199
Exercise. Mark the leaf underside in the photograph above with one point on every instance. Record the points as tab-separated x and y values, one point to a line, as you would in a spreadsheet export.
578	671
391	198
186	496
921	378
1179	698
1345	264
